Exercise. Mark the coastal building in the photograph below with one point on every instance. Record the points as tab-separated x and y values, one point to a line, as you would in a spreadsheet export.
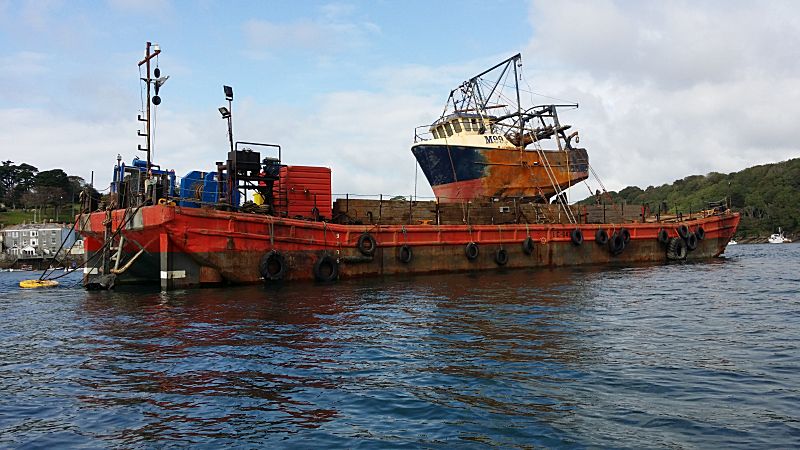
36	240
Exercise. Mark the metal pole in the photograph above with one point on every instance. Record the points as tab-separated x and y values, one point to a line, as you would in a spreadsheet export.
147	58
230	125
519	107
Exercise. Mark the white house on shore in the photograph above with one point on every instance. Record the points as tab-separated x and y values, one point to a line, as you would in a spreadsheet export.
37	240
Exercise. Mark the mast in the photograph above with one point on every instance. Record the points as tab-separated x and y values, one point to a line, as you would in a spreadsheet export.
146	61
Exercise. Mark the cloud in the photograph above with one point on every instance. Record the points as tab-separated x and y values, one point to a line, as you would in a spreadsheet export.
21	76
365	137
335	30
24	64
39	14
666	91
672	89
140	6
48	140
670	44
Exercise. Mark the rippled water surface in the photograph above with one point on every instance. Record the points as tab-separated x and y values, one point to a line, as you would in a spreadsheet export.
683	355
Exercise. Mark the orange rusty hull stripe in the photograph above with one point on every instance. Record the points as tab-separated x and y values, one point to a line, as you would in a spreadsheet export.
217	246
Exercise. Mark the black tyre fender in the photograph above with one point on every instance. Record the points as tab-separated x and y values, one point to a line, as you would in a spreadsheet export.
683	231
576	236
616	244
700	233
366	244
527	245
326	269
676	249
691	241
663	237
405	254
471	251
501	257
272	266
626	235
601	237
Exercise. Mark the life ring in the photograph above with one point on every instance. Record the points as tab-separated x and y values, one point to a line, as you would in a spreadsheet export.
663	237
691	241
626	235
676	249
700	233
527	245
326	269
576	236
272	266
471	250
366	244
616	244
162	201
683	231
501	257
405	254
601	237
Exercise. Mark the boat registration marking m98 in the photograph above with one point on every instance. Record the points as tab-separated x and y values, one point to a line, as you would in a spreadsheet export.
494	139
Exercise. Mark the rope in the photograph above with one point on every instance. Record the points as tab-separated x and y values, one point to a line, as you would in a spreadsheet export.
500	235
77	219
272	235
125	220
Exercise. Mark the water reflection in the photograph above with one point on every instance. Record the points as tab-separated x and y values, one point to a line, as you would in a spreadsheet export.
302	356
630	357
220	356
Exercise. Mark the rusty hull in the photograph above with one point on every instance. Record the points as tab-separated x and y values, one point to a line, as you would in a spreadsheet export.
189	247
457	173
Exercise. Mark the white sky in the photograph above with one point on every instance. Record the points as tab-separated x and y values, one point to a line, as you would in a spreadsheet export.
666	89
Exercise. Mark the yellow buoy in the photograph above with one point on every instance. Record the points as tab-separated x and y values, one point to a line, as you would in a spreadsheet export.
33	284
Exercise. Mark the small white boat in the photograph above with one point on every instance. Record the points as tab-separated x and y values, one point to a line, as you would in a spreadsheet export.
732	242
779	238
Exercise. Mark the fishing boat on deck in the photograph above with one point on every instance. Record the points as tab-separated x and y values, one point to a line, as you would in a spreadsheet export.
500	172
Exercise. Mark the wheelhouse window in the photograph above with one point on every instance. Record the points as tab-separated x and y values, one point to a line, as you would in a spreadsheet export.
441	131
449	129
466	124
457	126
435	134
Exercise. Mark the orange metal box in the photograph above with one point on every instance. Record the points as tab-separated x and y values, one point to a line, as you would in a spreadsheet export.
303	188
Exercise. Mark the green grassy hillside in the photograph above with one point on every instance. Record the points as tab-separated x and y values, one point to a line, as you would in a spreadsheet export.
19	215
768	196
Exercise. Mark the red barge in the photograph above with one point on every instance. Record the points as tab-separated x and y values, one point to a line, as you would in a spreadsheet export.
501	203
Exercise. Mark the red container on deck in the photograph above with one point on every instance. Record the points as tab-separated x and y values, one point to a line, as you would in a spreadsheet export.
302	191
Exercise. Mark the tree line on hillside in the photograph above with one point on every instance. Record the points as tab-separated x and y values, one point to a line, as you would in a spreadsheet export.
767	196
24	186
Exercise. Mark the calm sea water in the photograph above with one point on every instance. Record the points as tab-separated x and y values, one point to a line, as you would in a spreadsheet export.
682	355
